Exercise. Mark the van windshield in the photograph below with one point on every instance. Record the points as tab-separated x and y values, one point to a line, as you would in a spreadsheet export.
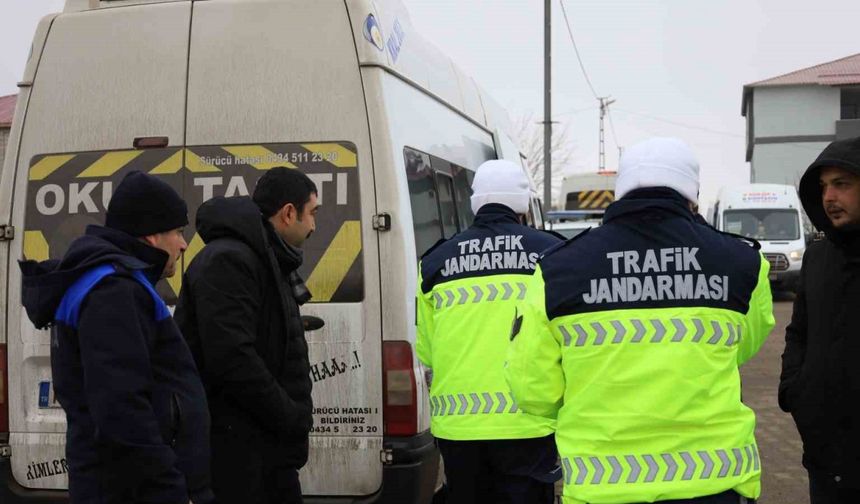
763	224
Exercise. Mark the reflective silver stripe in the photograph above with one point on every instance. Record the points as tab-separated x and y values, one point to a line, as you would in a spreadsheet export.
640	331
479	293
645	468
582	336
438	300
652	468
566	335
731	340
620	331
709	464
740	331
464	295
601	333
450	295
689	466
672	467
476	403
493	292
502	402
635	468
659	331
488	400
432	405
616	470
568	470
514	407
700	330
508	291
739	461
462	410
724	468
598	470
583	470
452	402
680	330
577	334
756	464
718	333
522	288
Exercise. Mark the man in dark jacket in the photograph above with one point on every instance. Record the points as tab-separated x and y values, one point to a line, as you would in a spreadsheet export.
820	382
138	423
239	311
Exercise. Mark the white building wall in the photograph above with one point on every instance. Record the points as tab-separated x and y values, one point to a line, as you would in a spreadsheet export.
791	111
783	163
795	110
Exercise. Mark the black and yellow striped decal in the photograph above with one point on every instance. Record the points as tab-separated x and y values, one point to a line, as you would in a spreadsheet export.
588	200
68	191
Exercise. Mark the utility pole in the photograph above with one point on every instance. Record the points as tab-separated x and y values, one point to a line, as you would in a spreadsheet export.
547	106
605	102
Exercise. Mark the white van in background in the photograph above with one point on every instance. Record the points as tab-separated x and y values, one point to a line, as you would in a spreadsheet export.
773	215
208	95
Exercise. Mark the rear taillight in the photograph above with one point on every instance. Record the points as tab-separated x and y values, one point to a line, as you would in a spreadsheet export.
4	397
400	409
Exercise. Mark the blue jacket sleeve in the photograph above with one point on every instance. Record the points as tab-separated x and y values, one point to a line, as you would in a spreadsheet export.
116	332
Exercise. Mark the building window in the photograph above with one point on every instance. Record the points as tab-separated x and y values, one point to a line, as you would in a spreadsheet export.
850	103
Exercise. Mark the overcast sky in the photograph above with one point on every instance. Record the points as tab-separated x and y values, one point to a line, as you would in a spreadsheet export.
666	62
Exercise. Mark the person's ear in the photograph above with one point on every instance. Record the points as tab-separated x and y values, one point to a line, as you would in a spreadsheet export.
151	240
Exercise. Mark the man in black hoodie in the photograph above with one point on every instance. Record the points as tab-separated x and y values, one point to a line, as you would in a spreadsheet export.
138	422
820	382
239	311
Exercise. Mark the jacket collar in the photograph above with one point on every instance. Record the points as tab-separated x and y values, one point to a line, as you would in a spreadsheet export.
496	213
141	256
652	199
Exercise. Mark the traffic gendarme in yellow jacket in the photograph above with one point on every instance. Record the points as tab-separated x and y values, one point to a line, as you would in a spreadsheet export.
631	337
467	295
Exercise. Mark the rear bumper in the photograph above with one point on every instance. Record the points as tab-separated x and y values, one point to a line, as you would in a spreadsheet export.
411	477
13	493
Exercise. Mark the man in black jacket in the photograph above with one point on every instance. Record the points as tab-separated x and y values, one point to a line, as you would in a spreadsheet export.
138	423
239	311
820	382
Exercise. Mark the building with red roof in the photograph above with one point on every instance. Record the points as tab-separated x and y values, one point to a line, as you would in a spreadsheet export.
792	117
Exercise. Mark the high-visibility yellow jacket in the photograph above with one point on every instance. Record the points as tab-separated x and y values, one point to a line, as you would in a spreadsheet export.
467	295
631	337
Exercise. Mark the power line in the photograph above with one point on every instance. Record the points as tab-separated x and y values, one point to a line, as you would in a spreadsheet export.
680	124
576	50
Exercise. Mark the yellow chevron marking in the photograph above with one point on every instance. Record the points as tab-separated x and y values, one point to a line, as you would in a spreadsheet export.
335	263
109	163
606	197
343	158
588	199
48	165
194	247
35	246
169	166
194	164
257	156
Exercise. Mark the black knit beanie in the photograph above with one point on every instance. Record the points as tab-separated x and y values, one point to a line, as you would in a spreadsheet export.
143	205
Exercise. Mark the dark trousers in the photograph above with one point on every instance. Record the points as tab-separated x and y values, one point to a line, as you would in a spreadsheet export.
823	489
246	471
510	471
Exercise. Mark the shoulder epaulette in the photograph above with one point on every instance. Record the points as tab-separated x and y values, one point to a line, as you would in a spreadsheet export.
561	245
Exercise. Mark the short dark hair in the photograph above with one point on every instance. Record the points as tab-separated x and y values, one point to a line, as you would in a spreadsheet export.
282	185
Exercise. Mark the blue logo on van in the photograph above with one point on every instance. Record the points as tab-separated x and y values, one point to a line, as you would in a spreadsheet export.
395	41
372	32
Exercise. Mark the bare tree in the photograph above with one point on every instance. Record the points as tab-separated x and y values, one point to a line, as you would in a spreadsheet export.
529	133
